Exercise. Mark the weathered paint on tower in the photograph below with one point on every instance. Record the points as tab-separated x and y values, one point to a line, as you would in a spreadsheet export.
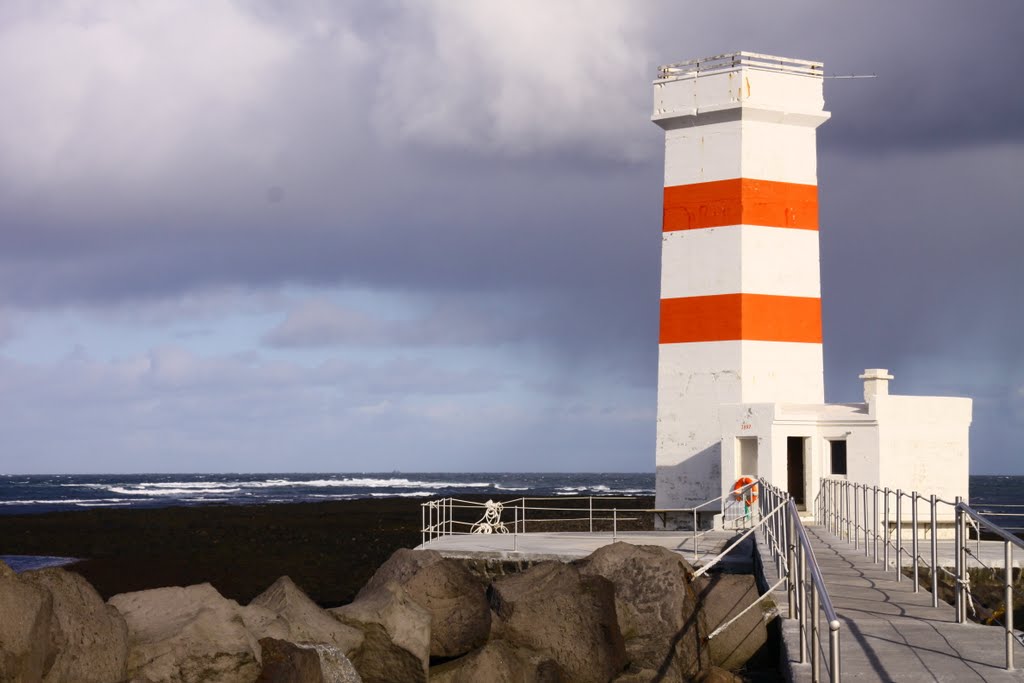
740	283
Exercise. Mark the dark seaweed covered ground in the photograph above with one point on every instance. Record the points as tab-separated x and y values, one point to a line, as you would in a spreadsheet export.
330	549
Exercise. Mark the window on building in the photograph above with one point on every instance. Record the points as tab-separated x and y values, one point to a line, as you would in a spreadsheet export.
838	450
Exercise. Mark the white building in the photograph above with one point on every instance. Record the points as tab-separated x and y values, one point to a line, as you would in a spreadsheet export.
740	378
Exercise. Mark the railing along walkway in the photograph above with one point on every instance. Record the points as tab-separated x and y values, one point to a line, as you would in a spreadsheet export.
894	634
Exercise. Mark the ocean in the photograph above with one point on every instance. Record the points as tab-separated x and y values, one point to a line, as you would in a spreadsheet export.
27	494
33	494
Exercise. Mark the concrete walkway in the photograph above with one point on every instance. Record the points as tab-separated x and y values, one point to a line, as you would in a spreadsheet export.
890	633
568	546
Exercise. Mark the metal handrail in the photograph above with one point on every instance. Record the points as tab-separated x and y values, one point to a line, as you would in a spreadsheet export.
841	511
804	580
438	516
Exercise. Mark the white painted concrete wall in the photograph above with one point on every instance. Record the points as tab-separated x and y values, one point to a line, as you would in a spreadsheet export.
740	258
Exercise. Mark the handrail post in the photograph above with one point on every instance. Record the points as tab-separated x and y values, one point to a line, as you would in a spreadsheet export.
874	524
695	554
835	670
935	553
846	495
885	531
515	529
957	557
914	542
802	597
791	570
615	522
815	637
867	548
899	535
856	516
833	519
1008	596
591	499
524	515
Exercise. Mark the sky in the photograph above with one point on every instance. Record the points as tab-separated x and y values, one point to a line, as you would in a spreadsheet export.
424	236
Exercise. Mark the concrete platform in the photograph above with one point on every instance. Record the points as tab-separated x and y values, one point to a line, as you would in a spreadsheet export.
570	546
890	633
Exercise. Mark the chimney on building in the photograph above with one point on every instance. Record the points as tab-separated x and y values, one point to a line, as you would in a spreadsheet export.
876	383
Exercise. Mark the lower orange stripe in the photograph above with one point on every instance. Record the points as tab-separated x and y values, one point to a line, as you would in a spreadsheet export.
740	201
753	317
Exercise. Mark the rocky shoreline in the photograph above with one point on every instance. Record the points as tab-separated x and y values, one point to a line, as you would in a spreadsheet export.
625	613
204	594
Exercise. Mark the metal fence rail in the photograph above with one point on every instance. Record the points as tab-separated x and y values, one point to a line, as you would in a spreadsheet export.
876	516
597	514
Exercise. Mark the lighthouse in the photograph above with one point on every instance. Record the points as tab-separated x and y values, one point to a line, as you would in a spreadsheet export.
740	381
740	284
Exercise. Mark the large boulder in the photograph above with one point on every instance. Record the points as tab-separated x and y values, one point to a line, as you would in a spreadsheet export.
498	662
460	618
187	635
284	612
562	614
90	637
723	597
26	611
719	675
285	662
396	630
658	611
335	667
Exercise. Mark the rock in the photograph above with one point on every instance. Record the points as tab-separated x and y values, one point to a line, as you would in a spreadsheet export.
26	614
397	635
335	667
658	611
399	568
564	615
719	675
284	612
724	596
90	637
460	617
284	662
498	662
187	635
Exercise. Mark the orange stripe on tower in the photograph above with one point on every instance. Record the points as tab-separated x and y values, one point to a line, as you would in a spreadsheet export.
752	317
741	201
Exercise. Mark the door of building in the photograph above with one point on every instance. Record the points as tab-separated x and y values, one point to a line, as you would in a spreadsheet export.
795	469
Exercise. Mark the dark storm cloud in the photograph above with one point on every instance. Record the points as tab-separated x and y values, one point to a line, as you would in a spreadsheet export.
503	150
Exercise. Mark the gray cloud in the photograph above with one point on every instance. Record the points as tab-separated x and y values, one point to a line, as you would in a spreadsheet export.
478	159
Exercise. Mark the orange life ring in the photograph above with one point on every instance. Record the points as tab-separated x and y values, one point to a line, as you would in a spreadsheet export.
748	496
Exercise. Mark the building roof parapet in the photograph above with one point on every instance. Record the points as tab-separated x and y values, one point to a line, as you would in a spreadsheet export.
734	61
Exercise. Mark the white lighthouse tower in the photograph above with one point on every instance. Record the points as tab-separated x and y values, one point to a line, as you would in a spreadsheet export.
740	285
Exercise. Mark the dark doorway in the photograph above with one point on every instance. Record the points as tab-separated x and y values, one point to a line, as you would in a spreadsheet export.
795	467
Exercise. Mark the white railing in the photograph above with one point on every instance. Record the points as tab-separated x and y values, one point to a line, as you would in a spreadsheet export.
734	60
870	515
590	514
